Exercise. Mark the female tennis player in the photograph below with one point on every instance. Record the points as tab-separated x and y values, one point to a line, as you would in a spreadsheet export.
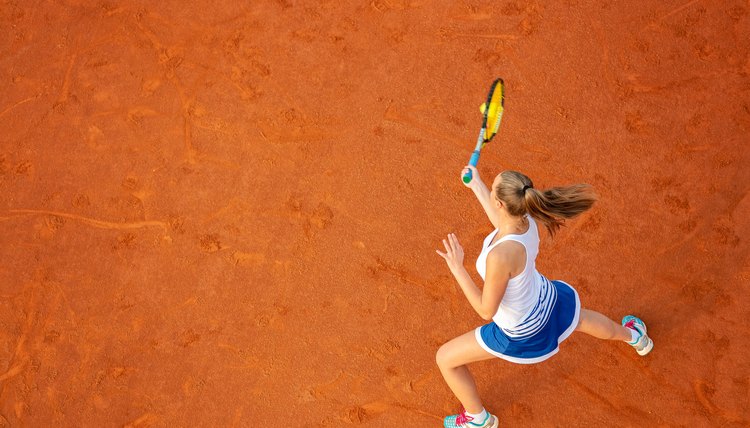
530	314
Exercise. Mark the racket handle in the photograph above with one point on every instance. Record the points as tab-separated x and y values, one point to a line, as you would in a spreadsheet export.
473	162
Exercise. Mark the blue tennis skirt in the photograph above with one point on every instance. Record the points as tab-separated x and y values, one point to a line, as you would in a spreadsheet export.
542	345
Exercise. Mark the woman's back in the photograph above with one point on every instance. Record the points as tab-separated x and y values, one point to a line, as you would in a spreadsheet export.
528	296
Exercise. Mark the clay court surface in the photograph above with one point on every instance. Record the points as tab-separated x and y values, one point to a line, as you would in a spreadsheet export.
215	214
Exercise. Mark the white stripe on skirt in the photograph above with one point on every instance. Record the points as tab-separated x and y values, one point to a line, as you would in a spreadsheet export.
539	316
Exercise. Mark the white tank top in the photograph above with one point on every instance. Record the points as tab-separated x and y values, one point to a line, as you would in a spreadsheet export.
529	297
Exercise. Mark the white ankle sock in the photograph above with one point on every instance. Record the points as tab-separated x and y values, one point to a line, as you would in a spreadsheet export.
479	417
634	336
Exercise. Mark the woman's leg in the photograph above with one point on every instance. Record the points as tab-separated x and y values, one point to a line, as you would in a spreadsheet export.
600	326
452	359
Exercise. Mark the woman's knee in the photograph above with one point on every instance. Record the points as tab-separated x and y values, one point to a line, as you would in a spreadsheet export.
443	357
440	356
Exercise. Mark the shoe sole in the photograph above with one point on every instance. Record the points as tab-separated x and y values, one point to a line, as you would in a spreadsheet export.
646	349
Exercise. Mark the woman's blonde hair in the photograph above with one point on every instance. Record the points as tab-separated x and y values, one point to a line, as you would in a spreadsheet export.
551	206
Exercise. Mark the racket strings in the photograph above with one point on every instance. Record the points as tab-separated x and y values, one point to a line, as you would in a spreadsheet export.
494	109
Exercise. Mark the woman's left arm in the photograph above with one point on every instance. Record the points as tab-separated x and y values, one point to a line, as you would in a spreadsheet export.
486	302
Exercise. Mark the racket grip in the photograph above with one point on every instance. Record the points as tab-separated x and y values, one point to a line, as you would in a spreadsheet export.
473	162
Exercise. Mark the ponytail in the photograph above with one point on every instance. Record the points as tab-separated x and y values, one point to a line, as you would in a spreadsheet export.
554	205
551	206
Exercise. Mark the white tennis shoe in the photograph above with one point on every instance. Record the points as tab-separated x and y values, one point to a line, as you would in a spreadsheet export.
462	420
643	345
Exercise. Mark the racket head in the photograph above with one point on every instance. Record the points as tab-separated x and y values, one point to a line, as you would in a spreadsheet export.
492	114
493	109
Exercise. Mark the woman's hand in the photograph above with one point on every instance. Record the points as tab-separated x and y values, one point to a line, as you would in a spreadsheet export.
475	180
454	254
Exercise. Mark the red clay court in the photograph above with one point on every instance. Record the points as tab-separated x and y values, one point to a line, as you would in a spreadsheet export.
213	212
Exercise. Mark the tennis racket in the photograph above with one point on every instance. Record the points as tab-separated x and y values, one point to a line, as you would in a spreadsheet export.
492	114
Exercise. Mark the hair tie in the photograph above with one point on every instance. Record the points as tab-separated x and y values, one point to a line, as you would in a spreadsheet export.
524	188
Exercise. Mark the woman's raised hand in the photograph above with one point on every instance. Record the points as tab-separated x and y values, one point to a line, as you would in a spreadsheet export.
454	253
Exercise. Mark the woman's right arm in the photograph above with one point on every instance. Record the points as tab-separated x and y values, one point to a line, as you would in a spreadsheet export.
481	191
